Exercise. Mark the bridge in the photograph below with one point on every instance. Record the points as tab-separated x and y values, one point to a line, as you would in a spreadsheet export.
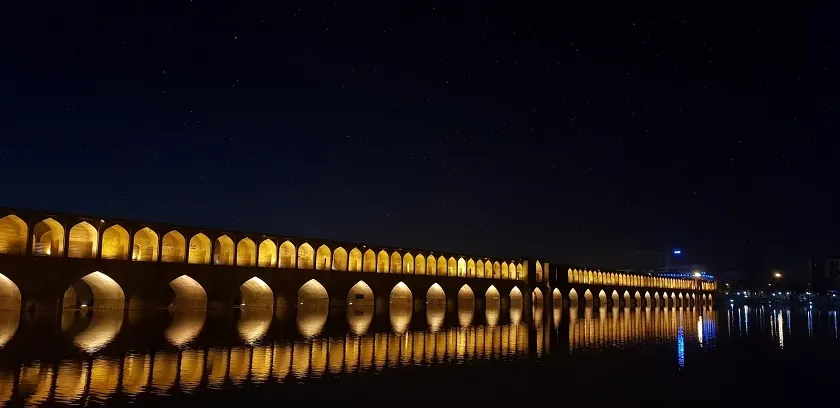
61	261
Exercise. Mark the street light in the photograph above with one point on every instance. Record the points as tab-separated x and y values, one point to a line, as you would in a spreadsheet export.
777	275
697	274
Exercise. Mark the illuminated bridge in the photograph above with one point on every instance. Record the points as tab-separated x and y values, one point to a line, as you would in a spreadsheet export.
61	261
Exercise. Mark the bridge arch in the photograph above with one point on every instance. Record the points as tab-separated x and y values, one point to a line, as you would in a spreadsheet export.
115	243
408	264
106	293
466	297
441	266
382	262
537	297
556	297
419	264
360	295
48	238
145	245
267	254
199	252
313	307
492	297
657	300
312	294
436	296
515	297
355	260
400	307
84	241
13	232
369	261
647	299
462	268
401	295
587	296
471	268
306	255
339	259
396	262
573	298
479	269
287	255
246	252
638	297
627	298
256	293
452	267
174	247
189	294
488	270
602	298
431	265
504	274
9	295
324	257
615	298
497	270
223	251
435	307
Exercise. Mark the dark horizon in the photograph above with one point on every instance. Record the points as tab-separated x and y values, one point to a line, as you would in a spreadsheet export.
583	134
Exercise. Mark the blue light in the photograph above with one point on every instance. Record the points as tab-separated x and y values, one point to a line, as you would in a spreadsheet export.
677	252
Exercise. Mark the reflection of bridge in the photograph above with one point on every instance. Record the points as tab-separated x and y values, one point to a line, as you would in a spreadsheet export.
54	262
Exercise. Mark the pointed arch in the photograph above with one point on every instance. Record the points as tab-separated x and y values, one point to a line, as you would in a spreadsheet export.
199	252
471	268
602	298
323	258
339	259
441	266
84	241
401	295
306	255
431	265
173	247
408	264
267	254
115	243
497	270
370	261
504	270
515	297
647	298
287	255
626	298
466	295
492	295
355	260
9	297
382	262
537	297
479	269
256	293
189	294
48	238
396	262
107	293
573	298
419	265
587	297
360	295
488	269
313	294
313	307
223	251
462	268
539	271
518	274
452	267
435	296
570	276
145	245
13	232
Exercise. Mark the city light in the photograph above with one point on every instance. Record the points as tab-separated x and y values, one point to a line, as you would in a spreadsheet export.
777	274
697	274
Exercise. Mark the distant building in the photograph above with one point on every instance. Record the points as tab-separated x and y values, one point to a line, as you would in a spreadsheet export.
825	274
685	271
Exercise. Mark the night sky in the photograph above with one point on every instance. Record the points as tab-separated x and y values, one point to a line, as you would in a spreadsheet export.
585	134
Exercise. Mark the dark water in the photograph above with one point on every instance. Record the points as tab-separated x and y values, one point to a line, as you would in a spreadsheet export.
629	356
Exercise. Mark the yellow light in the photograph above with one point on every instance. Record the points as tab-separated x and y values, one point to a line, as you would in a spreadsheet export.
777	275
697	274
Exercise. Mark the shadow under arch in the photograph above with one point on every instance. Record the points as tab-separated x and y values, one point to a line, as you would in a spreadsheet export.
401	305
104	293
255	293
313	303
189	294
185	325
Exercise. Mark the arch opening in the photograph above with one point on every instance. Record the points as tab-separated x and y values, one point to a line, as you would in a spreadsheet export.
312	308
466	297
515	298
360	296
84	241
9	295
199	252
223	251
173	248
13	233
556	297
306	256
401	306
145	246
189	294
102	293
267	254
339	262
355	260
246	252
587	296
48	238
287	255
602	298
323	261
573	298
255	293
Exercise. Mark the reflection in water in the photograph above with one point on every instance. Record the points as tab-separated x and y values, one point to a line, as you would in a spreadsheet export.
359	318
311	319
516	313
103	327
185	326
400	316
466	310
492	314
435	314
254	323
9	320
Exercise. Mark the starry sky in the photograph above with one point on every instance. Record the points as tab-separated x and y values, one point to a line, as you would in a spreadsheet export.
592	133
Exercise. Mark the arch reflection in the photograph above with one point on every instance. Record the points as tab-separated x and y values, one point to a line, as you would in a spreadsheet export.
104	326
254	323
185	325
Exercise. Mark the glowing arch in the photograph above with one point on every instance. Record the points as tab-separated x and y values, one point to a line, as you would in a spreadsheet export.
199	252
401	307
419	265
13	232
615	298
497	270
84	241
382	262
602	298
145	246
174	247
408	264
287	255
441	266
626	299
435	295
339	259
431	265
115	243
556	297
256	293
471	268
355	263
306	256
107	293
488	270
323	258
492	296
401	294
519	274
9	295
267	254
313	294
48	238
435	307
313	308
223	252
573	298
479	269
515	297
370	261
504	270
396	262
537	296
360	295
466	296
189	294
462	268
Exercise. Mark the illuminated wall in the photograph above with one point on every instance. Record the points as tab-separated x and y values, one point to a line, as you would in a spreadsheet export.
84	241
173	248
12	235
625	279
48	238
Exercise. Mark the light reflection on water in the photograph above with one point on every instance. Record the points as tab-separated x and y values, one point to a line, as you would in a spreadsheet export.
95	360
